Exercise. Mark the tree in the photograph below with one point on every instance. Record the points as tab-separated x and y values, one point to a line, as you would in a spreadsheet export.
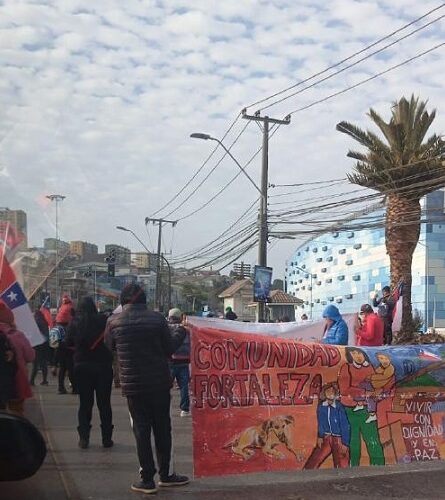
277	284
404	167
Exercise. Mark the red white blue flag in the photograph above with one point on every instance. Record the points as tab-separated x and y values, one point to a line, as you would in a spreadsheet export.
12	294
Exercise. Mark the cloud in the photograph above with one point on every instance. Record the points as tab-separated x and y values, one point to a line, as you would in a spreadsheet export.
98	102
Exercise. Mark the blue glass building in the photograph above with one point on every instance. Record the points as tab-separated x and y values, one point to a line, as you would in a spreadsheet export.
344	267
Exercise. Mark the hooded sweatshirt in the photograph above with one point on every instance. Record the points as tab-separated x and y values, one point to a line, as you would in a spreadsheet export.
338	332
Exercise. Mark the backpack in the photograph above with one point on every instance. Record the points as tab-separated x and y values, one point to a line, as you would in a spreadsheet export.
383	310
56	335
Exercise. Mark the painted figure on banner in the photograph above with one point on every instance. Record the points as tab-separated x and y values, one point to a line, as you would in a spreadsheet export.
334	431
378	386
354	376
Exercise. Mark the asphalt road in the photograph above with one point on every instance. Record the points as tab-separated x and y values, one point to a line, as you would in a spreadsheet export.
98	474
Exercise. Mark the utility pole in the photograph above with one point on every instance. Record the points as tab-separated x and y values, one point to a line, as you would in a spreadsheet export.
160	223
262	218
57	198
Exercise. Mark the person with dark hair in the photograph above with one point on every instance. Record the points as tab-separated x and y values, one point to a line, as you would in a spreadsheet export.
230	314
351	380
92	370
333	430
370	327
180	361
64	354
144	345
42	350
385	308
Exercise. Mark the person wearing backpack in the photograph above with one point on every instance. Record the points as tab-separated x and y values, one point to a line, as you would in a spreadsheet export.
92	370
42	350
23	352
385	308
64	354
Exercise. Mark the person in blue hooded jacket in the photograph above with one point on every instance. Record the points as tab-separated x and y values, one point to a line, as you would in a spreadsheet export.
336	329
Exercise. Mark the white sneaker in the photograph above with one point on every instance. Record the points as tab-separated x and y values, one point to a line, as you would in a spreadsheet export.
358	408
371	418
185	413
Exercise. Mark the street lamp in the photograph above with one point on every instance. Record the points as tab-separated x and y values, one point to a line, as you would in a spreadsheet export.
57	198
262	219
311	276
122	228
207	137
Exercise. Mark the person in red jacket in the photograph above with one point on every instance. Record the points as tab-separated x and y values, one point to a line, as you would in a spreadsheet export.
24	353
371	327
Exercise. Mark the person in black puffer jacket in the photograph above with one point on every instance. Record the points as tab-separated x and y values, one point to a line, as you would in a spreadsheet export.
144	345
92	370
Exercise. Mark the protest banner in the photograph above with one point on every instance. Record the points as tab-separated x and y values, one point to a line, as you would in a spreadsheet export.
263	403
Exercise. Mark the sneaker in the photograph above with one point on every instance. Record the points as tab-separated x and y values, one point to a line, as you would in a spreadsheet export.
185	413
107	443
358	408
173	480
44	382
371	418
147	487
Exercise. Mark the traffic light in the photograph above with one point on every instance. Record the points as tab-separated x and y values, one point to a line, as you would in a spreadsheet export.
111	261
111	270
89	272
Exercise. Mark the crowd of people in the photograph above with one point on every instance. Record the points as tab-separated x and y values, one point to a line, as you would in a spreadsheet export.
145	354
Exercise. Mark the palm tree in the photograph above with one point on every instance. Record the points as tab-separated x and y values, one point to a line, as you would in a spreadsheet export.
404	168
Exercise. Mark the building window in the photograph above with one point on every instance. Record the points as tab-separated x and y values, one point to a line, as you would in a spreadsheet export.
307	249
309	288
306	302
331	299
318	283
303	287
323	302
329	280
323	269
298	254
330	258
303	266
342	251
335	235
297	289
315	249
349	296
314	276
350	234
319	259
339	300
357	246
300	281
341	277
356	277
349	262
291	282
297	272
325	248
317	301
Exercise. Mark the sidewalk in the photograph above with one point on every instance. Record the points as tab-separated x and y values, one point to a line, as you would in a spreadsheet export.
106	474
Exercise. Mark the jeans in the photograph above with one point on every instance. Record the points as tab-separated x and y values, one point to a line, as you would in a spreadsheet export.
181	373
91	379
147	412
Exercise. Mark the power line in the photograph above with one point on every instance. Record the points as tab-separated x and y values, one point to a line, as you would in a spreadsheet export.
171	200
349	66
211	171
362	82
347	58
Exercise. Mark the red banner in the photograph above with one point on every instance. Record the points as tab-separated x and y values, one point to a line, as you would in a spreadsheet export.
269	404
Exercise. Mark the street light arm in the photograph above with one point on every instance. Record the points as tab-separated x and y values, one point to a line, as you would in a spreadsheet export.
207	137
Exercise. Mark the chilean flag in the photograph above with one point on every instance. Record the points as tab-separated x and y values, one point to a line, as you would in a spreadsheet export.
428	356
12	294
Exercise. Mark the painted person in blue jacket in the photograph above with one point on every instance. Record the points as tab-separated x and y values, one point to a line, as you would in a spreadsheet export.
334	431
336	329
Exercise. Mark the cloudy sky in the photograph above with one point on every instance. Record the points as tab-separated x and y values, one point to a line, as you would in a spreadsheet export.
98	99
